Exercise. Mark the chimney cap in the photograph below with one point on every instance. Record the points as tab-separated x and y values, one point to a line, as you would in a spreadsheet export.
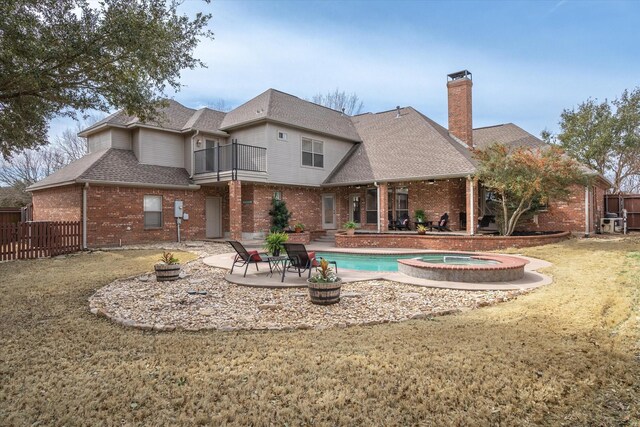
464	74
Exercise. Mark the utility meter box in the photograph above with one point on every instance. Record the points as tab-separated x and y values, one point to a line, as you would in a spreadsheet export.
177	209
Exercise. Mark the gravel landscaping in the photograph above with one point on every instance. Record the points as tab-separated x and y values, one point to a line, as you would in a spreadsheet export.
143	302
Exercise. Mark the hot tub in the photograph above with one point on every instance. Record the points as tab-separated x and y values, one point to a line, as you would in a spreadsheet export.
464	267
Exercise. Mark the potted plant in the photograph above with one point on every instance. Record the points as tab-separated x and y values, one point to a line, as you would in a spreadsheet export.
324	286
421	229
168	267
420	216
273	242
350	227
298	227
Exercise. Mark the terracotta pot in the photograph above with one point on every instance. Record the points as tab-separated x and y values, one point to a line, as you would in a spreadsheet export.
298	230
351	231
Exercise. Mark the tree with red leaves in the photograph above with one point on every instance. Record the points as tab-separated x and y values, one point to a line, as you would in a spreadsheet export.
524	178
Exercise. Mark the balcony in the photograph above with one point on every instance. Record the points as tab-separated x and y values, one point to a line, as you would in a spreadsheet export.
229	159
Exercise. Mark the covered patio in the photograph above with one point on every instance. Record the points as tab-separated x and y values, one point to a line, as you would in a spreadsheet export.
376	206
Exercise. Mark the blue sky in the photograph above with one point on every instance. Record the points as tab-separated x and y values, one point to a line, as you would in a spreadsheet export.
529	60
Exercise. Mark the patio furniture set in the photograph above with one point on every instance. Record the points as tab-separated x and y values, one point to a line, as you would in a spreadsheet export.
405	224
298	259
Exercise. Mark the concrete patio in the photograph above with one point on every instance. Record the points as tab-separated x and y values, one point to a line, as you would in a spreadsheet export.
263	279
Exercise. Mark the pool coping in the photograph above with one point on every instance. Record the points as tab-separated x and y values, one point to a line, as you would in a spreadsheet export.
261	279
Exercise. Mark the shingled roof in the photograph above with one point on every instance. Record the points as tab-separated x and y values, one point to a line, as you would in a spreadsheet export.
174	116
283	108
115	166
506	134
410	146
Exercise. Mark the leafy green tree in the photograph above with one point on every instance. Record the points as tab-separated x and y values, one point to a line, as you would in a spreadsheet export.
280	215
523	178
605	136
62	56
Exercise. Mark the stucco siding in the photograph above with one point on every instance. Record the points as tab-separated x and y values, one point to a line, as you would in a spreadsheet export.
161	148
284	158
99	141
121	138
135	143
188	155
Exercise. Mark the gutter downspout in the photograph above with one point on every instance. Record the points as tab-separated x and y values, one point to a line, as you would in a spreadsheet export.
375	183
84	215
586	211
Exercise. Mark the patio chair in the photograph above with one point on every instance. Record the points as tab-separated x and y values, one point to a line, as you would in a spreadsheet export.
442	223
300	260
392	223
486	220
404	224
244	257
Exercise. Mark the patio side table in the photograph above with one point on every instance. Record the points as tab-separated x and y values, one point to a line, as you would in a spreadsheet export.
277	263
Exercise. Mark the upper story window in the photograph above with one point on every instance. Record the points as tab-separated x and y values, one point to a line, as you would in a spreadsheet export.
152	211
312	153
282	136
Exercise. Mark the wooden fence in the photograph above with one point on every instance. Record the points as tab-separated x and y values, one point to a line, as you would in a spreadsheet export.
631	202
10	215
28	240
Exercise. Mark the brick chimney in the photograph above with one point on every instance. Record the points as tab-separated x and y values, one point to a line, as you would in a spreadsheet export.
459	95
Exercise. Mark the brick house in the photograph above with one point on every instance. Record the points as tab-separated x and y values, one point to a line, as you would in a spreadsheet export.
329	167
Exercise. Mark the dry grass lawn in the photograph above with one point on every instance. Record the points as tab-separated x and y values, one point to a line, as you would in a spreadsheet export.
567	354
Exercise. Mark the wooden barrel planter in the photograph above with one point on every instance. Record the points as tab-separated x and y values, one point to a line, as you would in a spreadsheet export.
324	293
165	272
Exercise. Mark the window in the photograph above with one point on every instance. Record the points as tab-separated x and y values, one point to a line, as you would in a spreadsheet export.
312	153
152	211
354	208
282	136
372	206
402	204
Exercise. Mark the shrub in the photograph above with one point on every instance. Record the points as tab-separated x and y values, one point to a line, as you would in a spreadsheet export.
280	215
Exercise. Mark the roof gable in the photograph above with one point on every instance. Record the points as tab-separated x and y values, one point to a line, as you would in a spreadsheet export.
114	166
288	109
506	134
174	117
402	148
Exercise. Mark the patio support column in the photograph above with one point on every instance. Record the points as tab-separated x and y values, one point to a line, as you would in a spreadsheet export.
235	210
383	206
472	205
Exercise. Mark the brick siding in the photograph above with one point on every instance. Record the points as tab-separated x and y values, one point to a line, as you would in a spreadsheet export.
460	104
115	214
568	215
445	242
58	204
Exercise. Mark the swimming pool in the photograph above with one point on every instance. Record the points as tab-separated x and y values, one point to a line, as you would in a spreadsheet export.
365	262
389	262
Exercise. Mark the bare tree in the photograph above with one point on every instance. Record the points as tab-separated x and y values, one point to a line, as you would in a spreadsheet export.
220	104
29	166
70	144
339	100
